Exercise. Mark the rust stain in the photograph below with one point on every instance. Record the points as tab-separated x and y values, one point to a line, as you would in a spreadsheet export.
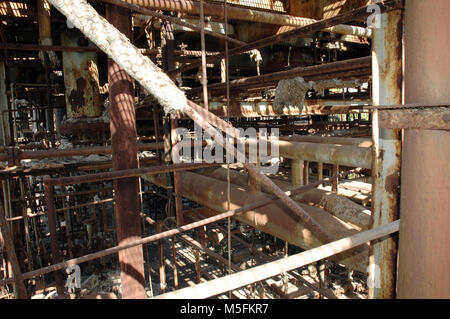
76	97
381	156
392	183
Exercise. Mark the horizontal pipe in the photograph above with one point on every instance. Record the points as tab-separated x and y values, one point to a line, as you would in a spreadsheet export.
361	74
344	155
245	14
134	172
247	277
360	142
60	48
346	65
83	151
270	218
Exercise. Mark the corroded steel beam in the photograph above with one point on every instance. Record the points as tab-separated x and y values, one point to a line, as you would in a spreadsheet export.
346	65
143	10
432	118
387	81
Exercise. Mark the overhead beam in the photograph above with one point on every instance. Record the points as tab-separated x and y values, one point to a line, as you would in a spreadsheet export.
301	31
323	69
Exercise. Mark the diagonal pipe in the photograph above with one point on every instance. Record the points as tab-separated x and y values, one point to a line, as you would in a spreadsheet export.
118	47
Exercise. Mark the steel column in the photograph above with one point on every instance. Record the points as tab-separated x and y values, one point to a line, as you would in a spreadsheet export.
387	90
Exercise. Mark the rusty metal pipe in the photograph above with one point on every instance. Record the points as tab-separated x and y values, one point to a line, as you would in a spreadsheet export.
387	50
339	206
360	142
270	218
160	86
81	151
140	9
345	155
308	29
326	68
244	14
205	118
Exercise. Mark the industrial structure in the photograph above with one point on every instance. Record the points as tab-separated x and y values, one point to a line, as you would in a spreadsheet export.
232	149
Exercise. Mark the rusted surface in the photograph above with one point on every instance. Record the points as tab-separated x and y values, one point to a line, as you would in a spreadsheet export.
345	155
205	119
309	71
424	255
339	206
80	79
124	150
244	14
360	142
387	90
427	119
270	219
297	172
51	215
176	177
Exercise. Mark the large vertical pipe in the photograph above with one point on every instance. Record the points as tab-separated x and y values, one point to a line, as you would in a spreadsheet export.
124	150
424	254
387	90
297	172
